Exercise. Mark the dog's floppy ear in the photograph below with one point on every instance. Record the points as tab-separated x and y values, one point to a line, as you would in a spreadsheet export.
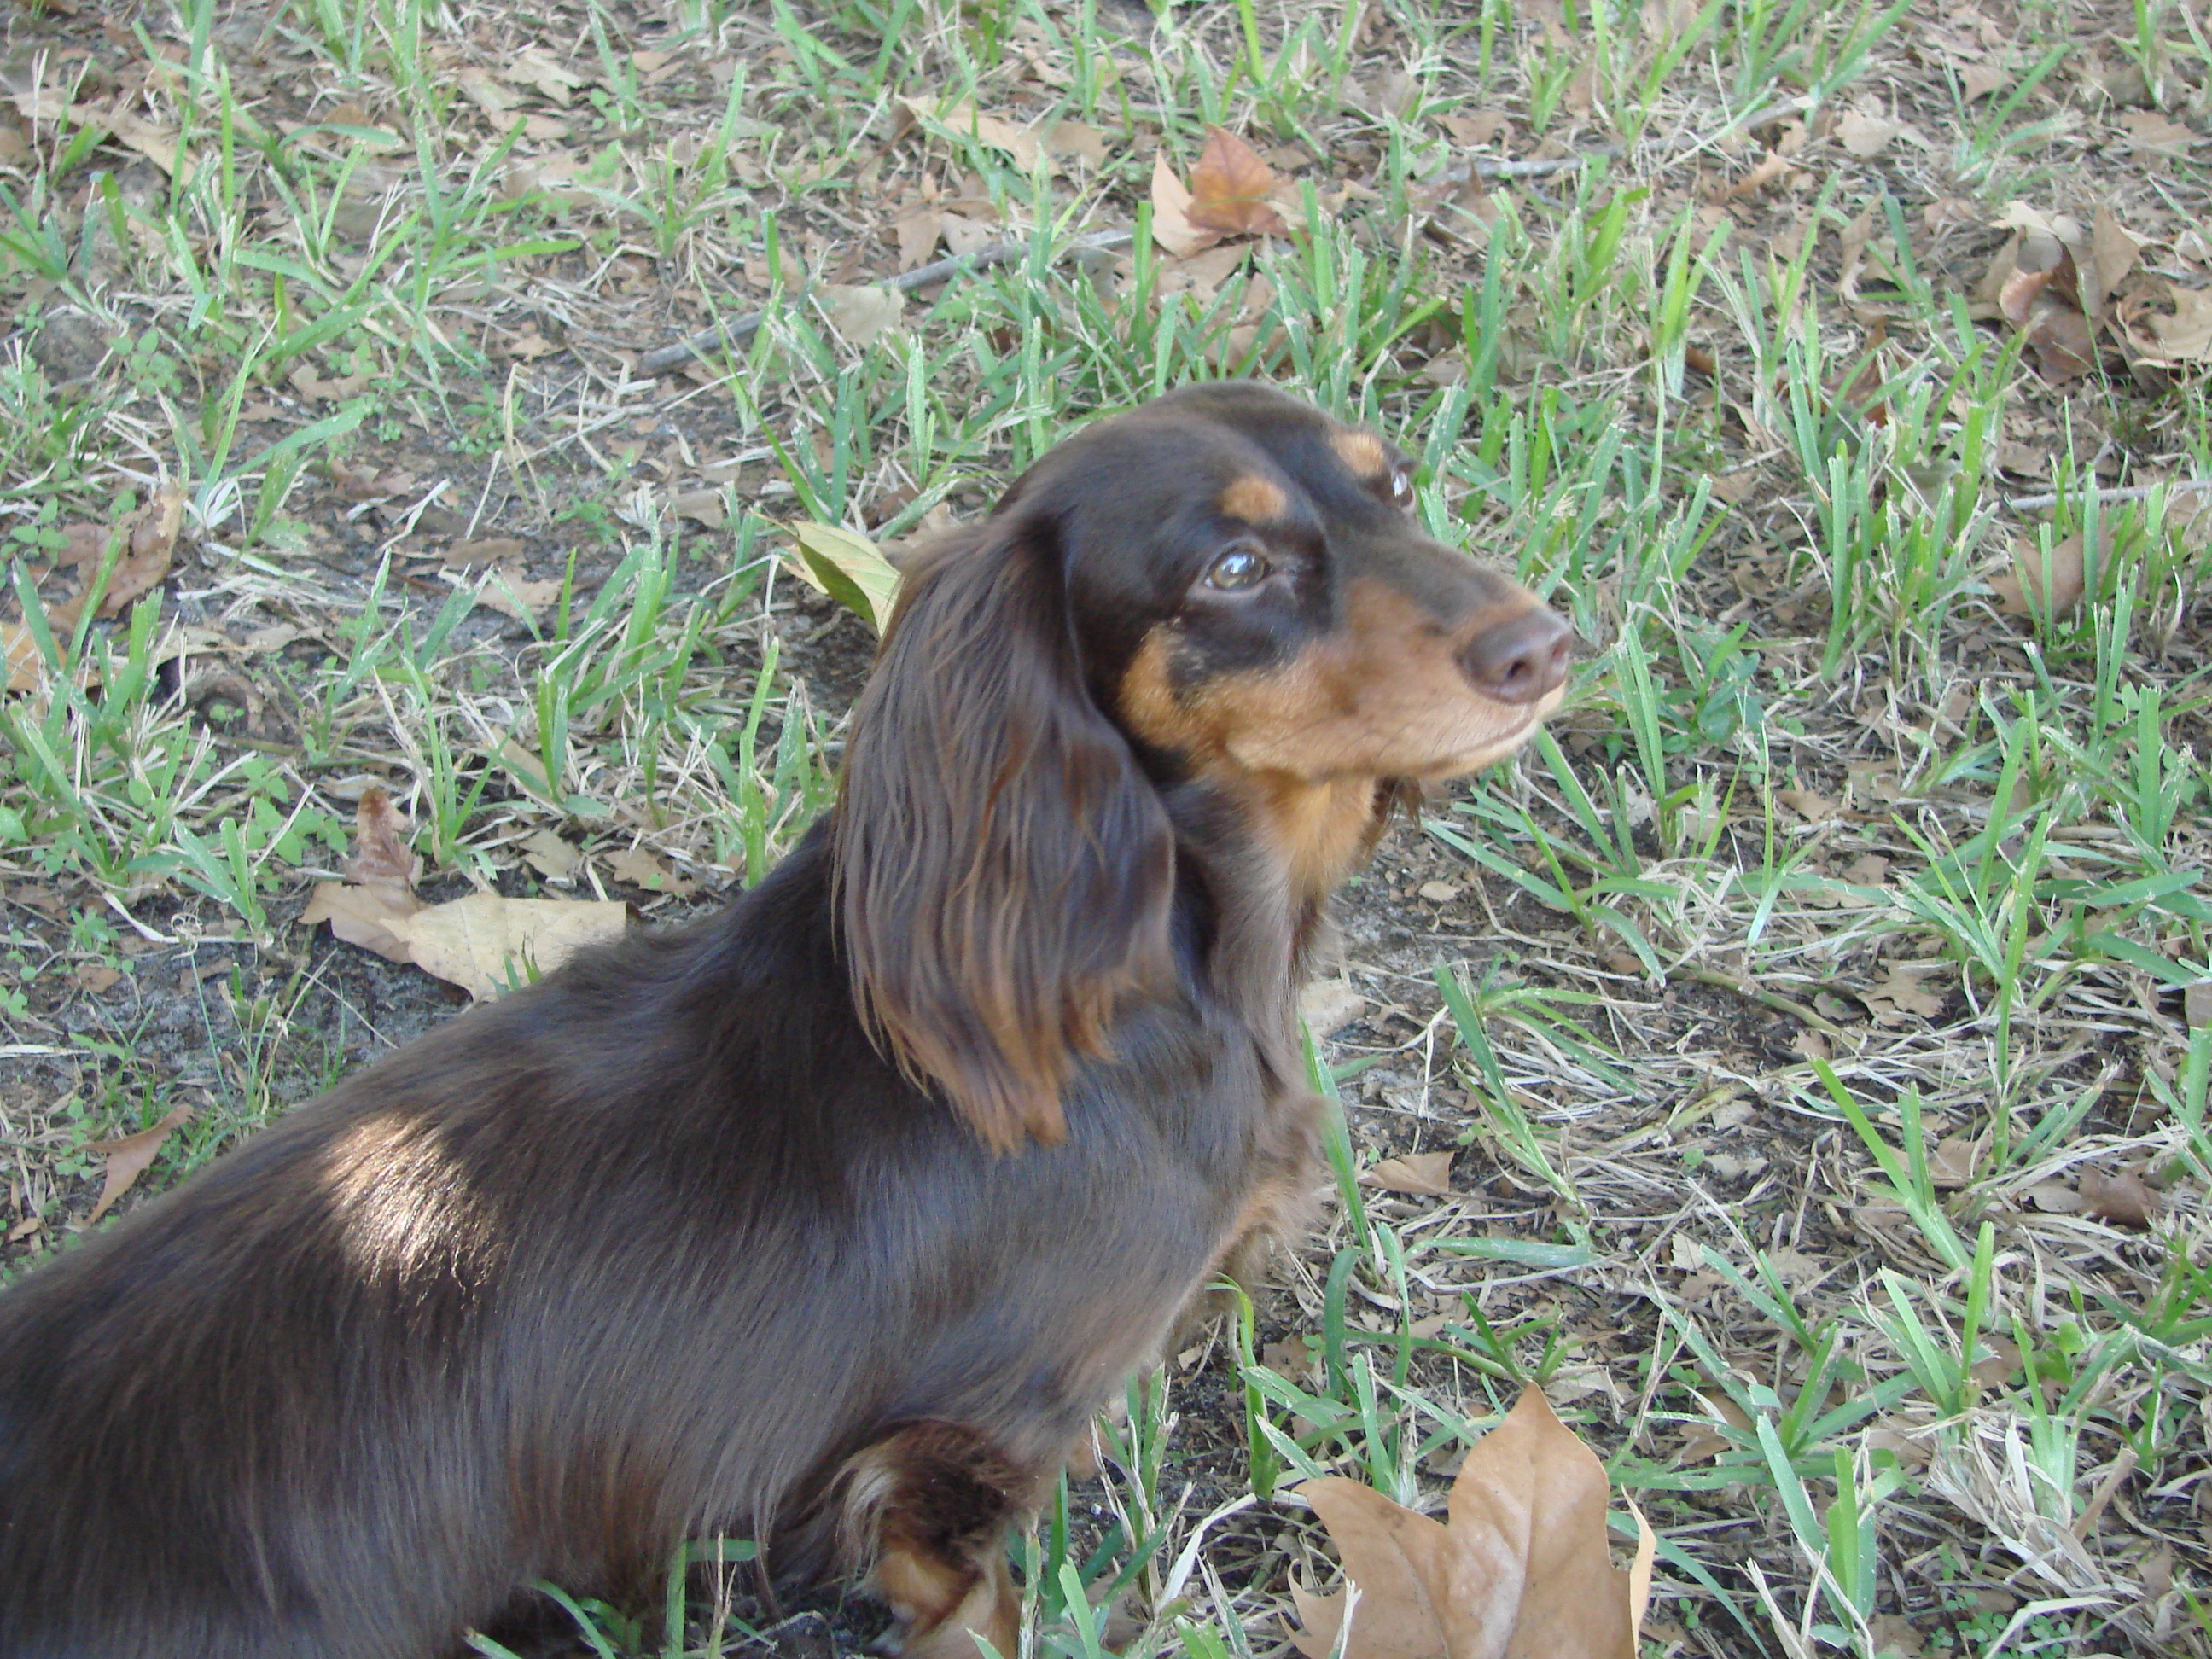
1004	868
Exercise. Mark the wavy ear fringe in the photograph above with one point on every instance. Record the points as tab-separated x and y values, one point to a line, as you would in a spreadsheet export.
1004	868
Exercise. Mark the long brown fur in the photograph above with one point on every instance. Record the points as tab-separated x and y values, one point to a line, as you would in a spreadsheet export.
832	1220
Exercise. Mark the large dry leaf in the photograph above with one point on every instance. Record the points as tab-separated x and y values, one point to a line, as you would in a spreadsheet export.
643	867
916	231
128	1157
1867	135
488	944
2123	1200
1522	1571
1230	187
157	144
1171	226
2040	304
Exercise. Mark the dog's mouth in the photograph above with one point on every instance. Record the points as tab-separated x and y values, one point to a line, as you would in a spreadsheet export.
1497	745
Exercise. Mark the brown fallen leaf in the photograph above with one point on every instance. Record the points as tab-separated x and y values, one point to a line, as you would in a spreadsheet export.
1328	1005
1230	187
1522	1568
1703	1442
511	593
487	945
1078	138
361	916
861	313
2186	336
916	231
1427	1175
2123	1200
642	867
1951	1166
546	853
1171	226
150	542
1900	995
2113	250
382	873
493	549
2053	583
128	1157
380	853
1866	135
18	655
2147	129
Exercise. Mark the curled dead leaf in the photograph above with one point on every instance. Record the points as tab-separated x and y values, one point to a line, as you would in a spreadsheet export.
129	1157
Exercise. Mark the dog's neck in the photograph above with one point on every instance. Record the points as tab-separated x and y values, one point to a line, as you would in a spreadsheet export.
1267	853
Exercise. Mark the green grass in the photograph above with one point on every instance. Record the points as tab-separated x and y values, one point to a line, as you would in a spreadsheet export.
1839	925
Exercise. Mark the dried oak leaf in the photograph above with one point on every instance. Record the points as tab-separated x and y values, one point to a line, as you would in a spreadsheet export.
1522	1570
487	945
129	1157
1230	187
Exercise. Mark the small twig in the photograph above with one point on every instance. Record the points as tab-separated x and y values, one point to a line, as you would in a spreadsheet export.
740	329
2123	1466
1774	999
2131	493
1540	167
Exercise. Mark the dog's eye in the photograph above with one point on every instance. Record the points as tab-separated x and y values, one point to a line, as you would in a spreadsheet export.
1238	568
1401	486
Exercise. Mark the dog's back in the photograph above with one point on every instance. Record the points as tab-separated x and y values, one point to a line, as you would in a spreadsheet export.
647	1249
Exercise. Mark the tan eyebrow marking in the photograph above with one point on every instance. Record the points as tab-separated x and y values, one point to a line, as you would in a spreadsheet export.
1254	499
1362	452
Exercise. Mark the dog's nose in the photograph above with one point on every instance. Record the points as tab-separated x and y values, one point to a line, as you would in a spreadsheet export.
1520	661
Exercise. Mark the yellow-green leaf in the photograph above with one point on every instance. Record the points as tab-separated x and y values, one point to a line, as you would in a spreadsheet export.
848	567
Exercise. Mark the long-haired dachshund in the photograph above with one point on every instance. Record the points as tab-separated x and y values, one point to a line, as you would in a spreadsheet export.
831	1221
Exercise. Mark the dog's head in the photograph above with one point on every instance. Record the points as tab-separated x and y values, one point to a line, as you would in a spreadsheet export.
1224	590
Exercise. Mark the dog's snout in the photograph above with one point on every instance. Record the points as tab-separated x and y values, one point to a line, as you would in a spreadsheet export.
1520	660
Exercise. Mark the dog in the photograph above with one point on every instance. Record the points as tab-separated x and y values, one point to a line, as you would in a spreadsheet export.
831	1221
